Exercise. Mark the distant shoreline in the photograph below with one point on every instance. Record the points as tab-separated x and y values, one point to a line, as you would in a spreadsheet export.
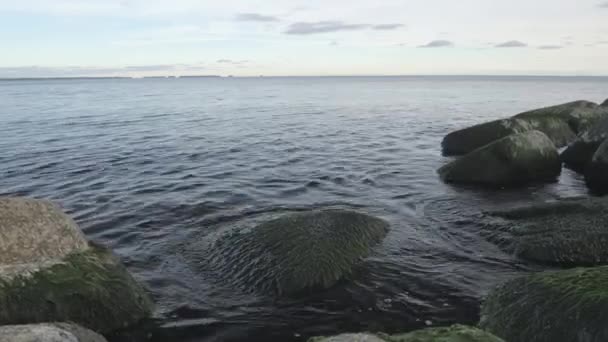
300	76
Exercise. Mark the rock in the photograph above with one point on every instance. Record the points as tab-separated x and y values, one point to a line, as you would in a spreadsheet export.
48	332
605	103
560	123
579	154
572	232
348	338
50	273
456	333
296	252
596	174
565	306
33	231
513	160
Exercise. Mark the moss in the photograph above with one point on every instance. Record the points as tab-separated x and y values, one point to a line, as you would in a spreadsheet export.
565	233
456	333
89	288
297	252
550	306
512	160
560	123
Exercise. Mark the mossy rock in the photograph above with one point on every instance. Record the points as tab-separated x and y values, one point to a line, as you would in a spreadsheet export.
564	306
580	153
596	173
90	288
296	252
456	333
565	233
48	332
513	160
560	123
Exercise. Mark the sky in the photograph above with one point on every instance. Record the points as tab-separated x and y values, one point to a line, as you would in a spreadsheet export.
56	38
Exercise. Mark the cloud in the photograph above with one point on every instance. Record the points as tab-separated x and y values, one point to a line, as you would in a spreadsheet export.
94	71
437	44
387	27
550	47
603	4
511	44
304	28
230	61
256	17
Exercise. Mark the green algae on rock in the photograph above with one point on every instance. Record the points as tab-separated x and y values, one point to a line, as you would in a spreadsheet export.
565	306
296	252
596	173
48	332
456	333
570	232
513	160
560	123
90	288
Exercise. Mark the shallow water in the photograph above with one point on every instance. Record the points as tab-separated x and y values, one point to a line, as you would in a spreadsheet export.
147	166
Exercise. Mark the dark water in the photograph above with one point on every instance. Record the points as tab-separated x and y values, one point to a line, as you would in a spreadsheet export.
147	166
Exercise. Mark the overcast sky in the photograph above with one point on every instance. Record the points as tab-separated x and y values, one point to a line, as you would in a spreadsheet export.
297	37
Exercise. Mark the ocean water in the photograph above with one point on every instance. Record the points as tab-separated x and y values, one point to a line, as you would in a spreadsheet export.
148	166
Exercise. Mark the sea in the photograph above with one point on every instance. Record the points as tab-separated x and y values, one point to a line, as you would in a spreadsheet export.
148	166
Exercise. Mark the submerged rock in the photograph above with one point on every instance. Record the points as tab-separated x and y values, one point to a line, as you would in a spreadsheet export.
297	252
565	306
513	160
48	332
456	333
570	232
596	174
560	123
50	273
579	154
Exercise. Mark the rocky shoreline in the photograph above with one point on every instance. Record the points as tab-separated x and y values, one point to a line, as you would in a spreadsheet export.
57	286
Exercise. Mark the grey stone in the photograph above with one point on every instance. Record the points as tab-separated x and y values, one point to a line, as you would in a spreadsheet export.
579	154
596	173
35	231
48	332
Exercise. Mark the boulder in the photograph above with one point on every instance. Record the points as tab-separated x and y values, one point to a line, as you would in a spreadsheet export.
512	160
579	154
560	123
50	273
48	332
295	252
596	173
605	103
571	232
456	333
34	230
565	306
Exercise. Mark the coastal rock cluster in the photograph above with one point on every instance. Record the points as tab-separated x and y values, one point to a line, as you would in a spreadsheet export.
524	148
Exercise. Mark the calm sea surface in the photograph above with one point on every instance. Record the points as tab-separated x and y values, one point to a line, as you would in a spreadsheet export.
148	166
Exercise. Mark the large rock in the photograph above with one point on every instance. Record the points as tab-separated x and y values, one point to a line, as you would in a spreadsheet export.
48	332
295	252
564	306
605	103
33	230
596	174
456	333
560	123
578	155
572	232
513	160
50	273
